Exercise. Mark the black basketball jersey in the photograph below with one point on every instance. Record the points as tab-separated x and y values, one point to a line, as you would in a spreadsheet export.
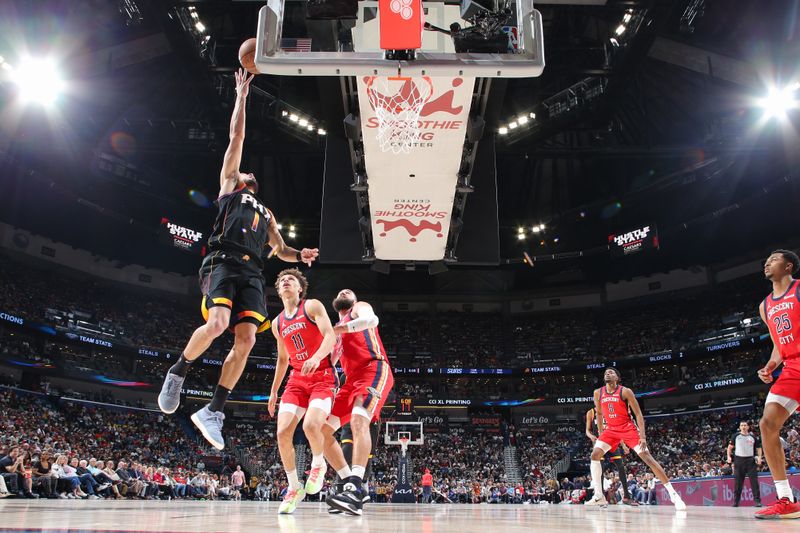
241	225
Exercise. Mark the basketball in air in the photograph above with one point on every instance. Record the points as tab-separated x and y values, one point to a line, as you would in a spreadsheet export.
247	55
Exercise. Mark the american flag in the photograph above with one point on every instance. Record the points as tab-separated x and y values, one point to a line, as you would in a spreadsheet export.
296	45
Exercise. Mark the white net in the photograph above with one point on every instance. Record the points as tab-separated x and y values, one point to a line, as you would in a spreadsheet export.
398	102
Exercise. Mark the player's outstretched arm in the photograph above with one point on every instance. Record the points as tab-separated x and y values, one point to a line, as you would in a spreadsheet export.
229	175
286	252
281	365
363	316
316	311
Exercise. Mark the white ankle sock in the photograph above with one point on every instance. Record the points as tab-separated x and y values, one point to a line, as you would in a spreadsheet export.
358	471
344	472
783	489
317	460
294	483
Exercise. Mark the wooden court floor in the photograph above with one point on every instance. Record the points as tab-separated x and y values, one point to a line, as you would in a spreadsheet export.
71	516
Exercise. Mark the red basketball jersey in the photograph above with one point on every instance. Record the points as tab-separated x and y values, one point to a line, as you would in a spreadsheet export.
301	337
614	408
783	315
357	350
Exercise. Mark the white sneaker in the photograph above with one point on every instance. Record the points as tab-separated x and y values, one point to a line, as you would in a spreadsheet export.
678	502
597	501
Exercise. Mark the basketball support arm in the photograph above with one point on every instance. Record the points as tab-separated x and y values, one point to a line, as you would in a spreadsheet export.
528	62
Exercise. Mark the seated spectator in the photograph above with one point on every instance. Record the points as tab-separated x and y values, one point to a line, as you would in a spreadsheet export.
648	492
13	471
69	485
88	483
262	491
43	476
118	487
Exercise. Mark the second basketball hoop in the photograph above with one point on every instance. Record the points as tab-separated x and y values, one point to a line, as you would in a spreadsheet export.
398	102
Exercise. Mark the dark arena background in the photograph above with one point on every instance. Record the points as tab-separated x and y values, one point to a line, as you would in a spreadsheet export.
530	195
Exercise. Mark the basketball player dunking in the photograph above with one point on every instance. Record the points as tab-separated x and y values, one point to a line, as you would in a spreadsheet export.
230	279
615	456
613	404
780	311
359	401
305	340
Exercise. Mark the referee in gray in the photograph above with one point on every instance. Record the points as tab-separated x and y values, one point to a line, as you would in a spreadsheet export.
744	451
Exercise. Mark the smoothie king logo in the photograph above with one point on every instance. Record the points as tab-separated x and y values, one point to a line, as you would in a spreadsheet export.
413	216
410	92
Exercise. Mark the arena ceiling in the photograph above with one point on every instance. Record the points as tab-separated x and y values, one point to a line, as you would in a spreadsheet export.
673	137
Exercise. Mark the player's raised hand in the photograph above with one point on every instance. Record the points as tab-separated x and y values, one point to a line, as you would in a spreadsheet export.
309	255
243	82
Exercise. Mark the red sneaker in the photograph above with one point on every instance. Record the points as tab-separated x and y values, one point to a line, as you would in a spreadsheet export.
782	509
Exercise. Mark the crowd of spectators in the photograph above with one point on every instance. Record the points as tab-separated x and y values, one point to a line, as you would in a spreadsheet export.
441	339
57	448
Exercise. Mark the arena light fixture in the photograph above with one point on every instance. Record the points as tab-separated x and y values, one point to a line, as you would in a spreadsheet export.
779	101
522	119
284	113
291	228
512	125
535	229
502	130
520	236
520	230
293	117
38	80
321	131
310	127
292	235
200	27
303	122
620	29
542	227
